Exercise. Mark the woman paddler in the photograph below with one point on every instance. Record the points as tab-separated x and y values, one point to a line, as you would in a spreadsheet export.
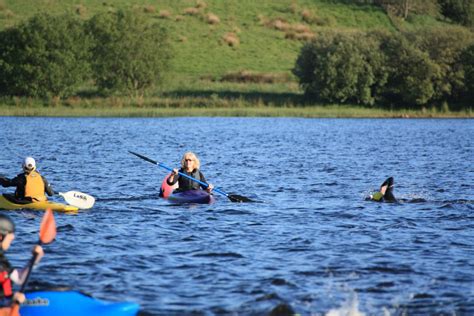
190	166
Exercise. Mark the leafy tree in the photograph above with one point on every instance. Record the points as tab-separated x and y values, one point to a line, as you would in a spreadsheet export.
129	54
411	72
403	8
467	60
43	57
444	47
460	11
341	68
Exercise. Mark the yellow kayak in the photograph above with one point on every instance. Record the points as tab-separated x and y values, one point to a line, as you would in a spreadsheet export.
6	204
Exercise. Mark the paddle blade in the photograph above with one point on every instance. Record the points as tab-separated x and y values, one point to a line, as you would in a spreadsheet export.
15	310
238	198
48	228
78	199
143	157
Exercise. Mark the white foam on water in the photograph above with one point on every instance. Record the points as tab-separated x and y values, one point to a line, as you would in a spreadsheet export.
349	308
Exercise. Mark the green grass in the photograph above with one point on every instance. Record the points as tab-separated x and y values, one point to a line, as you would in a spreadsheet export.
200	54
198	46
188	107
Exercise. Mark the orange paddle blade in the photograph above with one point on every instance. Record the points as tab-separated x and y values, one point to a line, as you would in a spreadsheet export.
48	227
15	310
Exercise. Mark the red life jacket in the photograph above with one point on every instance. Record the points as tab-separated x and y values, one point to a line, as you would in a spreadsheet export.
6	288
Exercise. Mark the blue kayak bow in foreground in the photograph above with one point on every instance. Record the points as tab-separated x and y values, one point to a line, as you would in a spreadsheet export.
73	303
231	197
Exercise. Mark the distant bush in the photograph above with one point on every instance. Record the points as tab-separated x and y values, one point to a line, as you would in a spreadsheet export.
46	56
246	76
467	61
422	68
231	39
411	72
460	11
129	55
341	68
444	47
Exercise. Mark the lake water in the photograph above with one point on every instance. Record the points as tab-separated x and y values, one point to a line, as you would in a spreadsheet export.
311	242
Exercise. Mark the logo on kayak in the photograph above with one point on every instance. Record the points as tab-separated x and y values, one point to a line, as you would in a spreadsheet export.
37	301
80	196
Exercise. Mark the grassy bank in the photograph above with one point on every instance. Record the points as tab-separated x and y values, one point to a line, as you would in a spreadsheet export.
329	111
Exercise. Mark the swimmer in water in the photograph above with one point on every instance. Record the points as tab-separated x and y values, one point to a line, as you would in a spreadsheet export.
386	192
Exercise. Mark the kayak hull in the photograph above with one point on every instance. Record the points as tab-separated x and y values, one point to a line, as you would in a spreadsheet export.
191	196
6	204
186	197
72	303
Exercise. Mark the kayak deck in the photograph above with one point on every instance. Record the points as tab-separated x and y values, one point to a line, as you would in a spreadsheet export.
6	204
73	303
172	195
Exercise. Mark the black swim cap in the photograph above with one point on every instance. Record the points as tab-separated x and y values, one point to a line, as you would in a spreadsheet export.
6	225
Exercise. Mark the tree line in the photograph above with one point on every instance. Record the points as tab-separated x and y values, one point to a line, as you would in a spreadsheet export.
123	53
428	67
52	56
458	11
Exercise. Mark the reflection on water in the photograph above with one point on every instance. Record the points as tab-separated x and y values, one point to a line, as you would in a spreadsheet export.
312	246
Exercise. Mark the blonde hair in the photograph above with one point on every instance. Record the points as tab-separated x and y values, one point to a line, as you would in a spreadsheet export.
193	156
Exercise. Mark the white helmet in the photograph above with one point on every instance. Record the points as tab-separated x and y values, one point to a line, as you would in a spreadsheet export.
29	164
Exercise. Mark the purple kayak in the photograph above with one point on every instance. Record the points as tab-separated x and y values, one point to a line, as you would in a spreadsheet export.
191	196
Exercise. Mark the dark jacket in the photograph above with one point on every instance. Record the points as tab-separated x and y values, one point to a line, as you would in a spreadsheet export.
186	184
20	182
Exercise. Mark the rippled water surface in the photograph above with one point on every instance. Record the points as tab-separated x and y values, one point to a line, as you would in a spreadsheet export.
311	242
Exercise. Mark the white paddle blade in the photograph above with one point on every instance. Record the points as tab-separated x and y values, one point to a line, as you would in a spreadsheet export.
78	199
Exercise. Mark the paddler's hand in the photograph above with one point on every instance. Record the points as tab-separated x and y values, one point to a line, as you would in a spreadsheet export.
38	251
19	297
175	171
209	188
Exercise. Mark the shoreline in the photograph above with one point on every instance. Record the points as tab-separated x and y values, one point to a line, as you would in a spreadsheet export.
330	111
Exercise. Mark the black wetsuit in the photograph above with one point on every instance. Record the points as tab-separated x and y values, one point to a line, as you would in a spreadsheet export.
20	182
186	184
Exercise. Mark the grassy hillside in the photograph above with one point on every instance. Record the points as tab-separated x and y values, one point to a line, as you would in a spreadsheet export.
204	46
212	38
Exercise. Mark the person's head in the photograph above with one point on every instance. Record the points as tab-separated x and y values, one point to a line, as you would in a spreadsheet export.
29	164
7	231
190	161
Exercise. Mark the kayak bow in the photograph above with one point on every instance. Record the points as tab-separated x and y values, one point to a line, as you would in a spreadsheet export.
6	204
72	303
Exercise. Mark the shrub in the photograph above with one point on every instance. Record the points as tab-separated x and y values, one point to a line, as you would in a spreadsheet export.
444	47
460	11
341	68
467	61
129	55
46	56
164	14
212	19
411	72
231	39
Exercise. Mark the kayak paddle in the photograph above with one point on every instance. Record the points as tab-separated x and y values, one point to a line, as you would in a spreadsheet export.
78	199
47	234
231	197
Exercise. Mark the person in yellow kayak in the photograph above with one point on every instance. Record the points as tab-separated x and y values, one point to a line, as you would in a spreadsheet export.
190	166
8	274
30	185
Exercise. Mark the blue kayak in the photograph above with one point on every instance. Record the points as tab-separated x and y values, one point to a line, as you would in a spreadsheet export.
72	303
191	196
